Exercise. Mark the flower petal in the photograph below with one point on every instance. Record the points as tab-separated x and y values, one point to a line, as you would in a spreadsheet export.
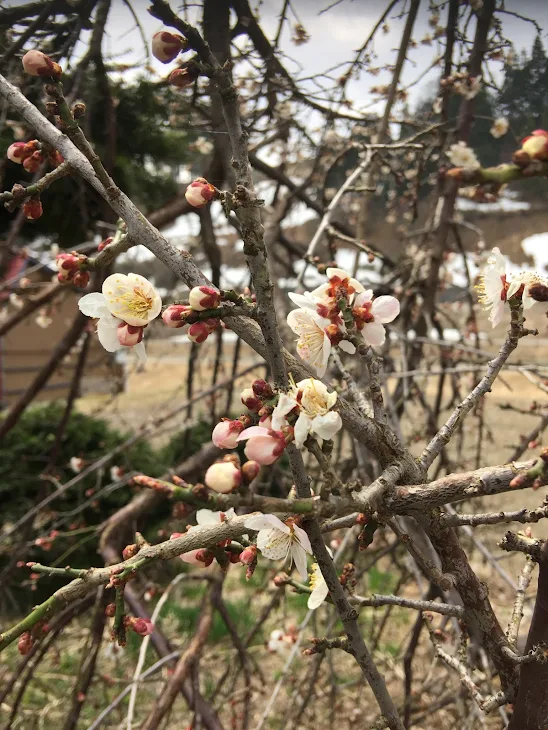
299	558
318	595
93	305
385	309
374	333
347	346
326	426
497	313
273	544
306	300
207	517
266	522
302	537
332	272
252	431
107	333
284	406
363	298
302	429
139	350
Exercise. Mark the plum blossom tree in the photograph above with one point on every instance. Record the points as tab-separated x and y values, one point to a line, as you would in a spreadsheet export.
329	462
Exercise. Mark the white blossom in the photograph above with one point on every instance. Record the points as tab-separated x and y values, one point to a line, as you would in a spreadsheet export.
314	403
278	540
500	127
460	155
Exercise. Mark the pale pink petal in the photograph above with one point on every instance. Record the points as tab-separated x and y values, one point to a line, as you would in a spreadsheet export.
318	595
139	350
385	309
347	346
357	286
497	313
331	272
306	300
363	298
374	333
252	431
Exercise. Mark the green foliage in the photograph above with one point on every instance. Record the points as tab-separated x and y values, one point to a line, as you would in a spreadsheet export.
379	581
187	617
148	150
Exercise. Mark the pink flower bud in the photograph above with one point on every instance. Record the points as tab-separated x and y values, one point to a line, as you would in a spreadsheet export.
24	645
250	471
104	243
141	626
189	557
67	265
262	389
81	279
200	331
174	316
33	209
55	158
183	77
129	335
17	152
204	556
32	163
203	297
36	63
200	192
250	400
263	445
225	434
249	555
166	46
536	145
223	477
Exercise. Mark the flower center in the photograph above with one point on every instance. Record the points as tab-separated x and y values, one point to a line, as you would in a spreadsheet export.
137	302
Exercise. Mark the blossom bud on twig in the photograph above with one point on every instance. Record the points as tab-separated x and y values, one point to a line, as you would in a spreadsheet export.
203	297
183	77
250	471
200	192
129	335
225	434
174	316
166	46
250	400
36	63
33	208
223	477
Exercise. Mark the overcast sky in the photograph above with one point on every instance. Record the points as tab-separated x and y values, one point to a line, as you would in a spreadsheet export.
334	35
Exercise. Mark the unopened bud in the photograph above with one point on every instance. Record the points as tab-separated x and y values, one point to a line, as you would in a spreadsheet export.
249	555
183	77
17	152
204	556
32	163
200	192
223	477
250	400
130	551
78	110
200	331
33	208
225	434
81	279
280	580
203	297
24	645
141	626
536	145
104	243
129	335
110	610
36	63
250	471
262	389
166	46
175	315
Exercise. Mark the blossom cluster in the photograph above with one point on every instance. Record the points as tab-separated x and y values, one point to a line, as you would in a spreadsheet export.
332	315
31	155
70	269
200	299
496	287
